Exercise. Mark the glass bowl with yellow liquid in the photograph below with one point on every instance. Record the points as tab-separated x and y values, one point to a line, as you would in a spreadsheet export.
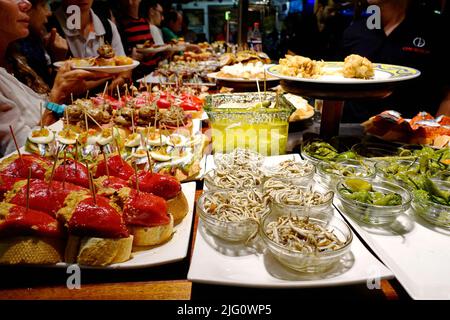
258	122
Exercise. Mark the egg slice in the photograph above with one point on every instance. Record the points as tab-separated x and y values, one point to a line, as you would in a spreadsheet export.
41	136
67	137
106	137
157	141
133	140
139	153
92	140
177	140
159	156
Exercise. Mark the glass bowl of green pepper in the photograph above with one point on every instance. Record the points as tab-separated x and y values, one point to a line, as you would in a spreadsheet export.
317	150
432	202
375	150
374	202
329	173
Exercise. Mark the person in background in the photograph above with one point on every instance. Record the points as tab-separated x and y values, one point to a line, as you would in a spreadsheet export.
173	25
136	31
19	104
409	36
154	12
32	61
95	31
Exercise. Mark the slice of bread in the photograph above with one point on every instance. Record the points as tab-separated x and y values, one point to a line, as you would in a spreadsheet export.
151	236
178	207
93	251
31	250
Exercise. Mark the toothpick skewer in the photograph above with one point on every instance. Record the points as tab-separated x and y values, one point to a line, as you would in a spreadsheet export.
53	170
86	121
92	118
104	90
265	85
40	114
117	145
71	97
28	188
64	170
136	177
259	92
87	94
91	184
76	153
118	93
15	143
149	159
106	162
132	120
66	113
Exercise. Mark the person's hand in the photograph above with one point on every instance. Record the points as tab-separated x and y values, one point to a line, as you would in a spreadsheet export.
48	118
76	81
136	55
56	45
193	47
119	80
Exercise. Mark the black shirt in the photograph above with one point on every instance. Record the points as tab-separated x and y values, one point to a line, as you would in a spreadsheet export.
419	42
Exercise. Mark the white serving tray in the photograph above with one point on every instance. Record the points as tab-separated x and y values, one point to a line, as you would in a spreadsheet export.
215	261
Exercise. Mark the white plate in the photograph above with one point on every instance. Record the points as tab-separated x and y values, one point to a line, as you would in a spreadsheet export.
214	75
152	78
219	262
153	49
172	251
384	73
419	258
105	69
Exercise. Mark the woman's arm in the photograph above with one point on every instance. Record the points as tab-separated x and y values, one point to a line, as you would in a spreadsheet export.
77	81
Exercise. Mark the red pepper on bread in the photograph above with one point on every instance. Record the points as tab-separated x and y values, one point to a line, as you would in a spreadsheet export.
18	167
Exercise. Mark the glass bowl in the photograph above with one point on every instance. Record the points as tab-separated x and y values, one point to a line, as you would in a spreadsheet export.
435	213
230	178
309	158
289	193
330	173
375	214
240	157
300	173
237	230
237	123
308	262
388	170
374	150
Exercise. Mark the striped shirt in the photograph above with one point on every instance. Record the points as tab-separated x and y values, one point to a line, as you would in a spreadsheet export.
137	31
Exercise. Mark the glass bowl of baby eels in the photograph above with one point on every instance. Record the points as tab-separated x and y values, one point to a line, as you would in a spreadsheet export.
375	202
240	157
329	173
233	177
232	215
299	172
305	244
287	197
432	202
